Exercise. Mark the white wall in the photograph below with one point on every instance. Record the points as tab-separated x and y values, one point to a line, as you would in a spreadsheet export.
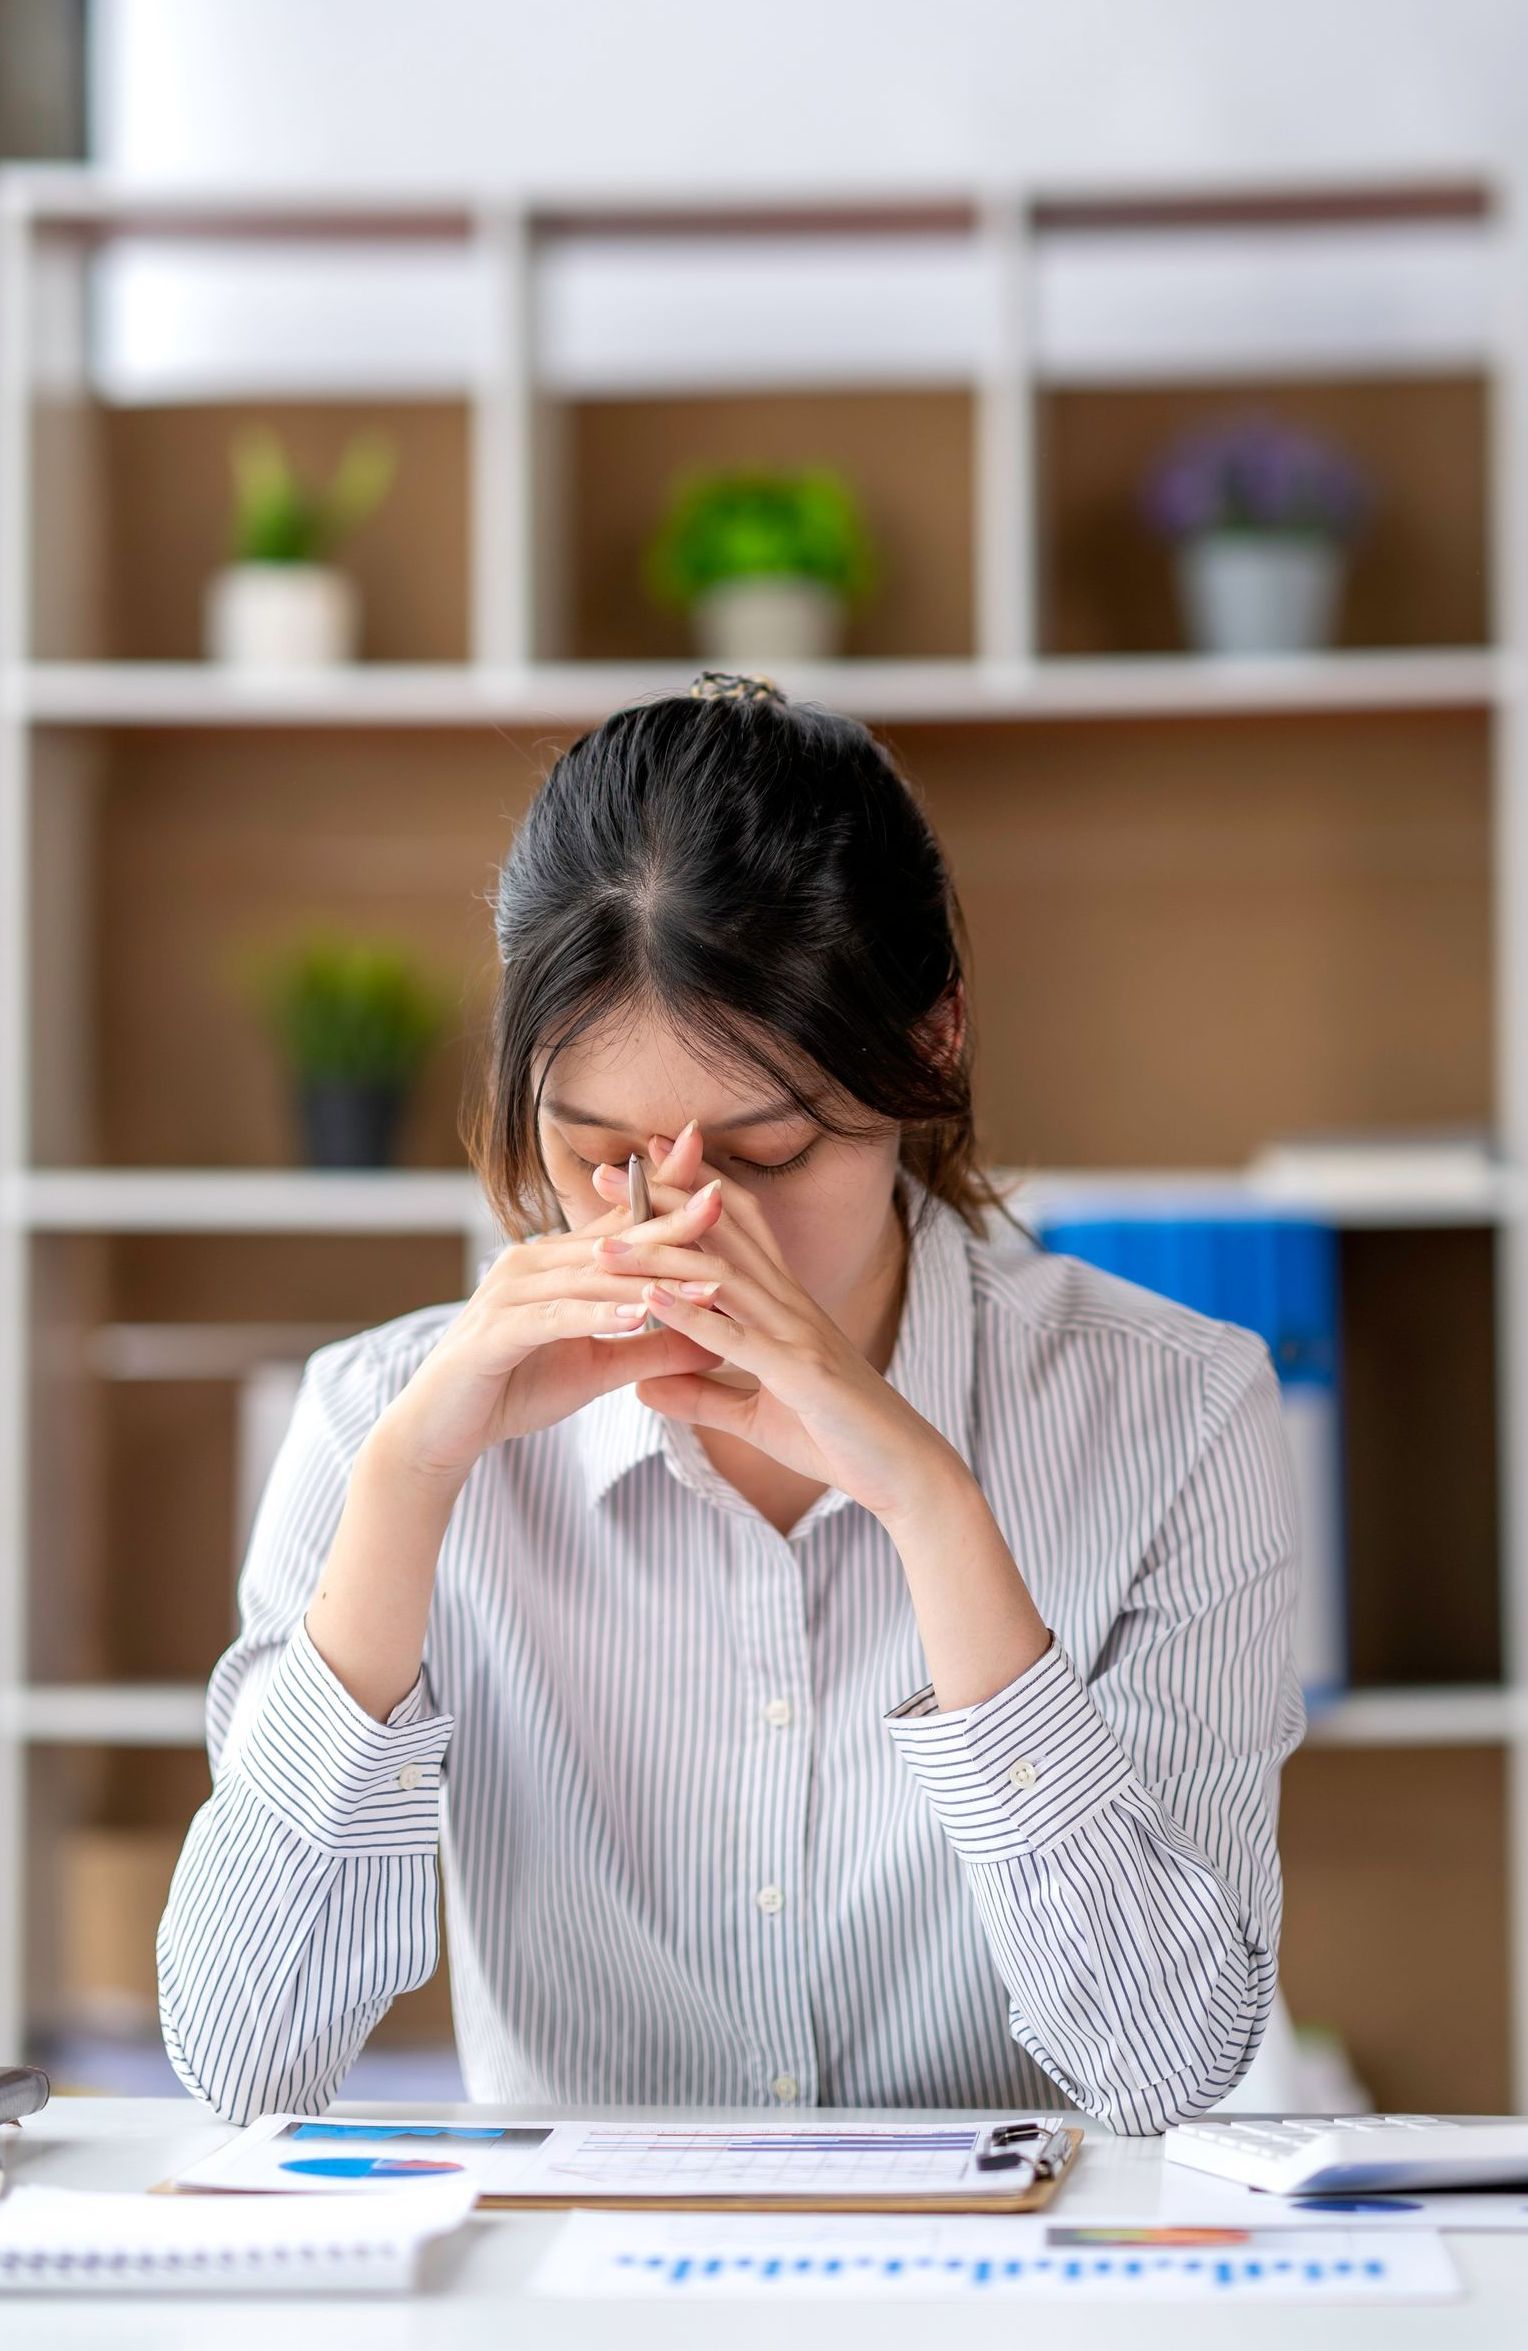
569	93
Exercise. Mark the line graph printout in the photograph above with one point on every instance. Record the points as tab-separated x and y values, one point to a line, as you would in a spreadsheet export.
899	2160
728	2257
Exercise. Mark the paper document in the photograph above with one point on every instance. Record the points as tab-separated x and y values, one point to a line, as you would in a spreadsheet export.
732	2257
590	2161
71	2240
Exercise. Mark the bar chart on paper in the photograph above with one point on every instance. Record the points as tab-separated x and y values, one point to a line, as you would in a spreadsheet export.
727	2257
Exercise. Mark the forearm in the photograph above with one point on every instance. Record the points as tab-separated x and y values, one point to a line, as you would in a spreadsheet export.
979	1626
367	1619
304	1899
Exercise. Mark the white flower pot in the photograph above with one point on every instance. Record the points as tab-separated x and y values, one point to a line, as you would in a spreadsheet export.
1259	592
739	623
281	616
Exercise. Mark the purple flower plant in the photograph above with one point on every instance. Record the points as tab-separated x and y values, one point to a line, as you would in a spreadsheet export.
1252	473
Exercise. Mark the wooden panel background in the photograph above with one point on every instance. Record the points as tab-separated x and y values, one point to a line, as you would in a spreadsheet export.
1419	1412
1191	936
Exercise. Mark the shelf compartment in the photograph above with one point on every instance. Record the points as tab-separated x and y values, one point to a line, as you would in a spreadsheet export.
146	1487
1419	573
1386	1851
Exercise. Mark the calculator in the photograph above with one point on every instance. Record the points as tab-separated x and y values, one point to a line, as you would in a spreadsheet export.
1346	2154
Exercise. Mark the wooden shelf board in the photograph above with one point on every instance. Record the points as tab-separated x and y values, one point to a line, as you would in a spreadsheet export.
171	1714
1072	688
1463	1716
429	1200
106	1714
1205	1192
249	1200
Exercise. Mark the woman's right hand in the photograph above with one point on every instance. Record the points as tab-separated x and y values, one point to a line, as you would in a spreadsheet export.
524	1350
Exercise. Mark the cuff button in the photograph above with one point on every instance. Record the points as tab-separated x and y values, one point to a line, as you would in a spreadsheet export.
1022	1773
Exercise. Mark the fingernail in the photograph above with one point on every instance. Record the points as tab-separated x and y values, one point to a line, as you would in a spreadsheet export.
687	1129
659	1146
613	1244
603	1167
699	1289
709	1191
659	1295
629	1313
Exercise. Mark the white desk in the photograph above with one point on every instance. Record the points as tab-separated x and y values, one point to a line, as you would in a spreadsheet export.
470	2297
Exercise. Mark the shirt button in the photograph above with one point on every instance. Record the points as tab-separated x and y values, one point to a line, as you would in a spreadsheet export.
778	1713
770	1898
786	2088
1022	1773
410	1775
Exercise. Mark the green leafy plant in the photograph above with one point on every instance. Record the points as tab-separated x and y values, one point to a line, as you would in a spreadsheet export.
747	523
279	518
345	1010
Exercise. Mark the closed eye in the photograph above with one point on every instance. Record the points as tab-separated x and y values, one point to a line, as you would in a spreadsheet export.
761	1167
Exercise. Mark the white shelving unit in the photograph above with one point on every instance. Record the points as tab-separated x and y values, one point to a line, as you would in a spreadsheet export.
54	224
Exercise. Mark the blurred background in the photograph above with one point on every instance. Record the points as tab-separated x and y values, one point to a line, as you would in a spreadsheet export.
1123	411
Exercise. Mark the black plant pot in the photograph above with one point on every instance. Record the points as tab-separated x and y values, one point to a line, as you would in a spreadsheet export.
348	1124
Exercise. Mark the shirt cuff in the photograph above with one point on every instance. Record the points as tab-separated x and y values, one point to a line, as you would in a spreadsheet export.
1018	1771
334	1773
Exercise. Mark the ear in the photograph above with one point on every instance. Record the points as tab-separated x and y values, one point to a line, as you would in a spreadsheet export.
945	1025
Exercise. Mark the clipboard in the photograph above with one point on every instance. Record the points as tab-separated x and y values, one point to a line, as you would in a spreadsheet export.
1033	2198
262	2161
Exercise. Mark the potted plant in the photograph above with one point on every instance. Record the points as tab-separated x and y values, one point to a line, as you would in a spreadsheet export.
353	1019
280	603
1260	515
766	563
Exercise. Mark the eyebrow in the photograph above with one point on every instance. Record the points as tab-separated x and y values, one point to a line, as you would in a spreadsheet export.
766	1114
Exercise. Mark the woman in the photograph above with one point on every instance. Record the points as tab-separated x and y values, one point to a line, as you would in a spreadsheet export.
895	1720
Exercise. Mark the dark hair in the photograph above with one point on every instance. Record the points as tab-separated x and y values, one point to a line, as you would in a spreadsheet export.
760	872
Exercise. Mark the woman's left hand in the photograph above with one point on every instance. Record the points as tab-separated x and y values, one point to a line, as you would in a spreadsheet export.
820	1407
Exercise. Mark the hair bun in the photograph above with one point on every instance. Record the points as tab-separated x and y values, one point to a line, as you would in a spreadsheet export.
727	685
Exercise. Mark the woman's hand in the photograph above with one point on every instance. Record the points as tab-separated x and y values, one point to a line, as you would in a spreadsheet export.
820	1407
539	1337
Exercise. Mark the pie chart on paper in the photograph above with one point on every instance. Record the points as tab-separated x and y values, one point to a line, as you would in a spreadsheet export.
368	2167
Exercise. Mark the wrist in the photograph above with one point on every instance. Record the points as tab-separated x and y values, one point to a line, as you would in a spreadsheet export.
386	1463
939	1488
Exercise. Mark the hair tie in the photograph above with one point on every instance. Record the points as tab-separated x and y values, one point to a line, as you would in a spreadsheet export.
727	685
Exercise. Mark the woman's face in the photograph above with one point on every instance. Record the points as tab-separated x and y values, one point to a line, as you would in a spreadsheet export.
827	1201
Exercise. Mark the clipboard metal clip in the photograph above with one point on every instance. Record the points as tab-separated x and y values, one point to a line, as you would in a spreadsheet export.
1010	2146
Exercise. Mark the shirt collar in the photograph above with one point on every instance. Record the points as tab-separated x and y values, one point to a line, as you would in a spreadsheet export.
931	1365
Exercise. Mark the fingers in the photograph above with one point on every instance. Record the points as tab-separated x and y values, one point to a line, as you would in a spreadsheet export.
536	1322
691	1214
706	1278
745	1343
658	1354
677	1161
682	1395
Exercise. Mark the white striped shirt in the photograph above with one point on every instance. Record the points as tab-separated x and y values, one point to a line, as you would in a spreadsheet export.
699	1844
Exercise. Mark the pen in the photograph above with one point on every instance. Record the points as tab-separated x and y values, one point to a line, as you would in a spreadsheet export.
641	1201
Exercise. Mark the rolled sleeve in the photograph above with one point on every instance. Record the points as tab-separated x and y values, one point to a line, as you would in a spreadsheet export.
330	1770
1019	1771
